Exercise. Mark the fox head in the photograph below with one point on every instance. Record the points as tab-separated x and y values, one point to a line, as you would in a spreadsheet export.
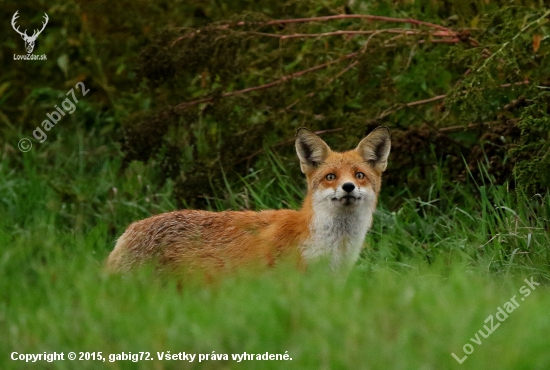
348	180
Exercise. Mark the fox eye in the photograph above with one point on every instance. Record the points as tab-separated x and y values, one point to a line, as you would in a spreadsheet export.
330	177
360	175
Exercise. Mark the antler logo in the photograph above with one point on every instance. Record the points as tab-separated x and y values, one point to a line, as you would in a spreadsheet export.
29	40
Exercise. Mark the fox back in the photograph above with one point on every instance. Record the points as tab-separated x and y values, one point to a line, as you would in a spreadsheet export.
332	223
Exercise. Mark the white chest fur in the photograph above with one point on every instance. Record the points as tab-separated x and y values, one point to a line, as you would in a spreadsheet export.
338	233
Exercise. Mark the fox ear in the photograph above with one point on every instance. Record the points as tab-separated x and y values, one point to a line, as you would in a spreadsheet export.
312	151
375	148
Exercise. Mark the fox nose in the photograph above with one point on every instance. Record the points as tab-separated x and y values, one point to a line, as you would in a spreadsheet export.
348	187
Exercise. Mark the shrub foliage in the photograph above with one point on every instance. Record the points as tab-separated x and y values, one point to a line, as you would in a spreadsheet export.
203	90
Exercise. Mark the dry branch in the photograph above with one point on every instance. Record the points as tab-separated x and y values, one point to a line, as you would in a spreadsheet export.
443	31
286	142
312	93
435	98
446	36
353	33
416	22
270	84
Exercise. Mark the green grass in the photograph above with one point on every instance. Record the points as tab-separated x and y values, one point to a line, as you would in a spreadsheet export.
433	271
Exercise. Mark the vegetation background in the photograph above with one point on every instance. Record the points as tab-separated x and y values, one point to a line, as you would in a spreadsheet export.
194	104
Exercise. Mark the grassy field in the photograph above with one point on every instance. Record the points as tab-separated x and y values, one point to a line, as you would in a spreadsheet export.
425	286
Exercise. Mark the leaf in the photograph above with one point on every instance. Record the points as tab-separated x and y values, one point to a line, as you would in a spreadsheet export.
474	22
4	87
537	38
121	68
63	63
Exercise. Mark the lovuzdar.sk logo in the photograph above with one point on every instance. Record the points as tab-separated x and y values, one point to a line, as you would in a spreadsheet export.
29	40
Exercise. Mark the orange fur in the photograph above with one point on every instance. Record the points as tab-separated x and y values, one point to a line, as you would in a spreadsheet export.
332	222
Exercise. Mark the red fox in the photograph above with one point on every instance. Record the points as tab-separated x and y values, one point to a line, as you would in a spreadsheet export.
335	216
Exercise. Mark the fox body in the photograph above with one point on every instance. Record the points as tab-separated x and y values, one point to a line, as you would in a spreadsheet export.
335	216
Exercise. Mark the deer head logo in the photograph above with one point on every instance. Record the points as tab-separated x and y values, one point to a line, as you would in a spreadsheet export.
29	40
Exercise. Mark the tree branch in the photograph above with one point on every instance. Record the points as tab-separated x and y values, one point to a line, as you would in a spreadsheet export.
447	31
312	93
340	33
424	101
436	98
286	142
270	84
